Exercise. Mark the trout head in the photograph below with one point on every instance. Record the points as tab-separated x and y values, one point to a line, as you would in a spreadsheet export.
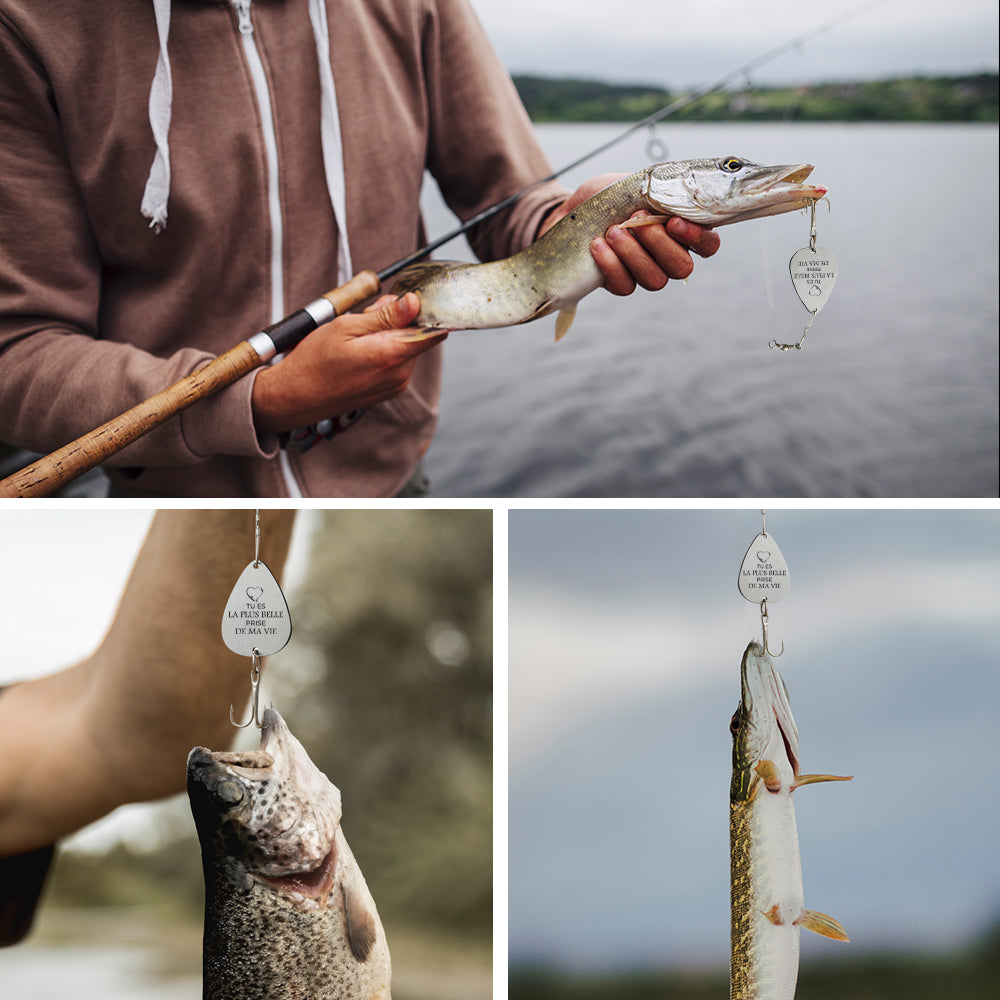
269	815
729	189
763	729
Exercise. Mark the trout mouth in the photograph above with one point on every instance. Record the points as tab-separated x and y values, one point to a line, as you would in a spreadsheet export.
309	890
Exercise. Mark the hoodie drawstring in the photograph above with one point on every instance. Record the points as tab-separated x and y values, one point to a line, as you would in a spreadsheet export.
154	199
333	147
161	93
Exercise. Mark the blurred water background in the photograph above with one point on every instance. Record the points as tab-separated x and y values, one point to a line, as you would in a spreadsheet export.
676	394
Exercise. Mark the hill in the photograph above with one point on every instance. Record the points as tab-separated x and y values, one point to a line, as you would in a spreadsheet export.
916	99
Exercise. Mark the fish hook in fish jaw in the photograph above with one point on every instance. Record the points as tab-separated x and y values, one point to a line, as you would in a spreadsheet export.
763	624
254	697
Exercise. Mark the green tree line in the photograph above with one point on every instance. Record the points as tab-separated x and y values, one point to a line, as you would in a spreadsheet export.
913	99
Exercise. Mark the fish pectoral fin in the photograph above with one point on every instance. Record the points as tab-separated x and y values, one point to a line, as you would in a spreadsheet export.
774	915
820	923
644	220
564	321
360	925
812	779
769	774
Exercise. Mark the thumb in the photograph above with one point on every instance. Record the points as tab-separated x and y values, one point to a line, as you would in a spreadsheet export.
392	314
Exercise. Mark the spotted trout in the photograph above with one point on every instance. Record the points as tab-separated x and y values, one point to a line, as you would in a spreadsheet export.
765	872
557	270
288	915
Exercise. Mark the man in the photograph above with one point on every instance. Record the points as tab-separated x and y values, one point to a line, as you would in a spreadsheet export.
117	727
174	177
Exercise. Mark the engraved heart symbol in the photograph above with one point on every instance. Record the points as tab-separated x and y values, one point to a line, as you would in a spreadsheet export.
763	556
254	593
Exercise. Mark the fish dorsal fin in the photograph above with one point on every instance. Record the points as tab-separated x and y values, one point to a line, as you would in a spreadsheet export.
820	923
564	321
360	925
411	278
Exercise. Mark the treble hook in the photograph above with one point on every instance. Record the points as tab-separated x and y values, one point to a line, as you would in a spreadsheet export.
254	697
763	625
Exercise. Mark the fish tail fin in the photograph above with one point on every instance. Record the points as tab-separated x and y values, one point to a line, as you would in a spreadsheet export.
820	923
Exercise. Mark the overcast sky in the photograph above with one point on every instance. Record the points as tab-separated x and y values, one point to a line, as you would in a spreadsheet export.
683	44
651	597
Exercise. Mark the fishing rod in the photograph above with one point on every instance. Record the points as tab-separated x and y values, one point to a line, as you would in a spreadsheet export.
48	473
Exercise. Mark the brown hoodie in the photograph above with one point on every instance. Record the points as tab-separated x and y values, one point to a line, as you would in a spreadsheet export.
98	311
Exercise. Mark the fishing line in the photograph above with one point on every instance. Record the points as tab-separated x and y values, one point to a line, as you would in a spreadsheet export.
648	122
48	473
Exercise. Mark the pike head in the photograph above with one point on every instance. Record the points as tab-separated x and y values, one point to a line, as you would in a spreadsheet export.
729	189
765	738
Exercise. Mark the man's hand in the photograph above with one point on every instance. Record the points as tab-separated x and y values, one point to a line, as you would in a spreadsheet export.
353	362
647	255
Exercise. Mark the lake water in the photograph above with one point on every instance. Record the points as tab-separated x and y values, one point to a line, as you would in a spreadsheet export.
676	394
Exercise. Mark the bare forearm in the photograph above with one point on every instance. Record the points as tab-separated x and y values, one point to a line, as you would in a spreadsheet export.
117	727
163	680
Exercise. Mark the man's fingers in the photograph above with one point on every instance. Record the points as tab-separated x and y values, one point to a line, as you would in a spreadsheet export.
617	278
704	242
650	255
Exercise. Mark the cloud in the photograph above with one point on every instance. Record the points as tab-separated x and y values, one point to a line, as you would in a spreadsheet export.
574	655
675	45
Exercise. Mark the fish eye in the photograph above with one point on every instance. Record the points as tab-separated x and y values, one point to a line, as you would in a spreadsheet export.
734	723
731	164
229	791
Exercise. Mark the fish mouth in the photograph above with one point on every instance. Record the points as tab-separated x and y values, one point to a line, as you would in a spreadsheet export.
787	180
309	888
765	701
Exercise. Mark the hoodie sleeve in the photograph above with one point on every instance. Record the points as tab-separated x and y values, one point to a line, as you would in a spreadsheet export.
58	377
482	146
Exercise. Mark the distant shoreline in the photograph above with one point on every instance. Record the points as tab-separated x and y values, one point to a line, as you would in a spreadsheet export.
972	98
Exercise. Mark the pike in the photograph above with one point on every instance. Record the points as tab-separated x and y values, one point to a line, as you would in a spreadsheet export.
557	270
765	871
288	915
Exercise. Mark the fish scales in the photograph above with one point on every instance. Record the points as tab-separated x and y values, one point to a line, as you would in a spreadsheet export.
288	915
766	898
557	270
